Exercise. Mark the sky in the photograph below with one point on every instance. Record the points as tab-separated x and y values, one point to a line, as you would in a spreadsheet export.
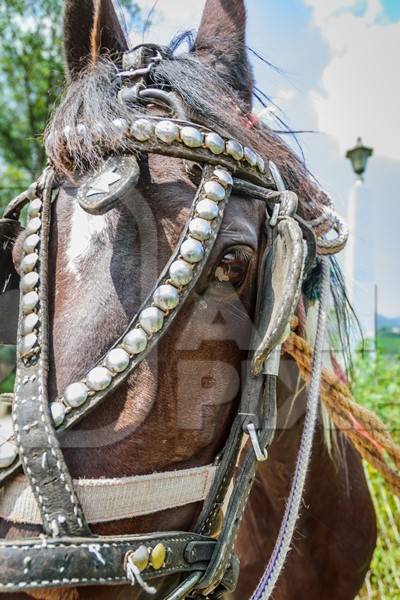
338	78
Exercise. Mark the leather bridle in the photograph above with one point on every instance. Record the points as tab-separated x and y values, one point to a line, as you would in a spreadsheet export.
68	554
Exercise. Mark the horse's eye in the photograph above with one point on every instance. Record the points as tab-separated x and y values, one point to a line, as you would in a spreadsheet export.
233	266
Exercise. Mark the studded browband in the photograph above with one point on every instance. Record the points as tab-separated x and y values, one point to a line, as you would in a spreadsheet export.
68	554
175	282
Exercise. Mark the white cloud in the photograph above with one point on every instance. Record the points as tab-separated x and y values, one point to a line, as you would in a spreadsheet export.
171	17
359	91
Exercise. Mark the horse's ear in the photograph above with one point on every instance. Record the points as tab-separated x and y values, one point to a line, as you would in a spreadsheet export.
221	42
91	28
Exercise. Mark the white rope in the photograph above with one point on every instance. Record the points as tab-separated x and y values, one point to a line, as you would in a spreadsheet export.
282	546
134	576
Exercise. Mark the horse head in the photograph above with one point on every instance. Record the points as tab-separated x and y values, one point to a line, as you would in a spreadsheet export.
173	258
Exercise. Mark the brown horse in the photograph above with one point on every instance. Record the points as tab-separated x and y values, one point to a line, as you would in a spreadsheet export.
176	410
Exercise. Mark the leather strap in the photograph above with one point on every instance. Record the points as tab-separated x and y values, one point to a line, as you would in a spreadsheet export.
285	287
85	559
200	154
43	563
75	414
38	447
243	483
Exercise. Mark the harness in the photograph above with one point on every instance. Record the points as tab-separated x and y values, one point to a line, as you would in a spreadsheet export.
67	553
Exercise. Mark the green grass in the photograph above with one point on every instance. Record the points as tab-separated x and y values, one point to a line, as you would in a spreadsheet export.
389	342
376	385
7	361
7	385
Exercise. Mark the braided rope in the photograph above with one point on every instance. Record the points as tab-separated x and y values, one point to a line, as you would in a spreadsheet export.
361	426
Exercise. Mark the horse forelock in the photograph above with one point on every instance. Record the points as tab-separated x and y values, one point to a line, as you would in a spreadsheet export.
91	101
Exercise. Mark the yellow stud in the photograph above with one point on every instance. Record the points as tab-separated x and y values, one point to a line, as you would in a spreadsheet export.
140	557
158	556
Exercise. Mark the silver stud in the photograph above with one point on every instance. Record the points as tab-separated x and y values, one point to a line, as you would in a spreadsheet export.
121	125
180	272
192	250
140	557
117	360
29	302
200	229
151	319
191	137
29	281
34	208
57	410
142	129
29	323
224	177
250	156
214	191
33	225
28	342
98	379
167	131
166	297
135	341
234	149
207	209
29	262
260	163
215	143
8	453
81	130
76	394
31	242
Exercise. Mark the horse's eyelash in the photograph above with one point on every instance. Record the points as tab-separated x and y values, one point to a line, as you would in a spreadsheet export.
242	254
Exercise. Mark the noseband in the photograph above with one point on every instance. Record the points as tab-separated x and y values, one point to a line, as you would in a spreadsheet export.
68	554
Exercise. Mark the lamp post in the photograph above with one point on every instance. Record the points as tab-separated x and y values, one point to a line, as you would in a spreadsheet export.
358	157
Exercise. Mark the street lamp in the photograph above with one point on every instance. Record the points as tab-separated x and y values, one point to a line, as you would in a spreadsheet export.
359	156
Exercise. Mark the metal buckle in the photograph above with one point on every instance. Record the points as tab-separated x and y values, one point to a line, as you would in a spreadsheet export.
261	455
139	61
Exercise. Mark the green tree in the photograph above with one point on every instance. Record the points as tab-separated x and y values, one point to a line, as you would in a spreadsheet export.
31	80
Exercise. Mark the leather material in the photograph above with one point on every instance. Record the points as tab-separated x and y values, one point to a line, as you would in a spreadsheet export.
254	383
9	281
45	563
285	285
38	447
237	502
73	556
201	155
13	208
216	496
78	413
